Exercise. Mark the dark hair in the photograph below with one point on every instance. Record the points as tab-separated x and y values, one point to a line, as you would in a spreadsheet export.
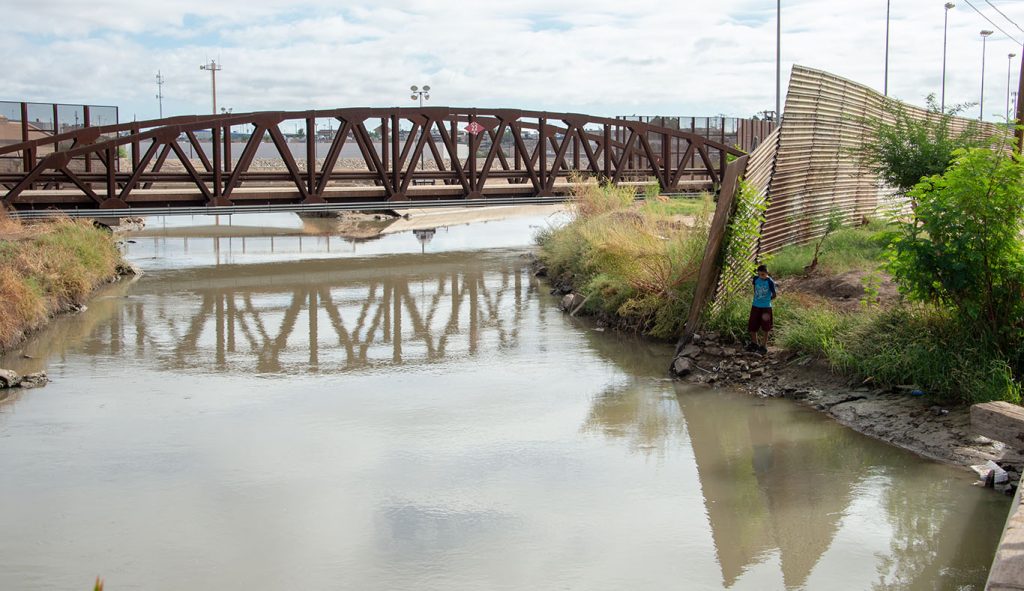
761	268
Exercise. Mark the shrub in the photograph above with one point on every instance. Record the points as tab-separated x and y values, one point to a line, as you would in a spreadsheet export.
964	250
902	149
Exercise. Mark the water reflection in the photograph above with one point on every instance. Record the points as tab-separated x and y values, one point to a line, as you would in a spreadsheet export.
456	432
786	490
310	316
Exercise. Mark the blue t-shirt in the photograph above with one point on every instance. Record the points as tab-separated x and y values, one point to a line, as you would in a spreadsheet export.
764	290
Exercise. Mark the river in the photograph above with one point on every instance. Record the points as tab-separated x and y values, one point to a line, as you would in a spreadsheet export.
434	423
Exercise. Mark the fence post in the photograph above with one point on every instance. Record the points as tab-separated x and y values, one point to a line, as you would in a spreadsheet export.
711	265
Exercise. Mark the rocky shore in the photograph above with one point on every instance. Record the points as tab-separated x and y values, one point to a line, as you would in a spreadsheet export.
894	415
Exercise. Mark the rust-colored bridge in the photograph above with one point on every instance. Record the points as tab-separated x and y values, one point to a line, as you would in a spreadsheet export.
404	154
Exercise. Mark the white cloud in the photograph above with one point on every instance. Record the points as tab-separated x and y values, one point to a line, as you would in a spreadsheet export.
595	56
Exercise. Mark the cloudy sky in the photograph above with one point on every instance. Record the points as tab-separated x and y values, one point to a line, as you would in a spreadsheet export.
602	57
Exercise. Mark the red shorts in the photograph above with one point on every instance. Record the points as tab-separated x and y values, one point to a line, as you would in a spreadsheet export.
760	319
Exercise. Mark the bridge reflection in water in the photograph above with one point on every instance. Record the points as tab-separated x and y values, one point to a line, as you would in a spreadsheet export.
324	316
729	492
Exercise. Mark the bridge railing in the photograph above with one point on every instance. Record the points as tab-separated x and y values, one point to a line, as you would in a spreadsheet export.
473	154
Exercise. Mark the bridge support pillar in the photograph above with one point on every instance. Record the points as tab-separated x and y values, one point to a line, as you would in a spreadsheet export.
220	201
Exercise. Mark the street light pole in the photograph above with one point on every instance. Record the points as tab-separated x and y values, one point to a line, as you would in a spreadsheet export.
885	85
213	67
778	62
981	107
422	95
1009	74
945	29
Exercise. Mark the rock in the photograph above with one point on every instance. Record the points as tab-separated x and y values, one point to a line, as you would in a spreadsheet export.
681	367
991	474
691	351
711	336
757	371
34	380
728	351
744	376
541	272
9	379
571	301
696	339
125	268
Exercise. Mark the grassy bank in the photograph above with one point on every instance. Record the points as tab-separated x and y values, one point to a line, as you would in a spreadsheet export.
635	262
48	268
896	343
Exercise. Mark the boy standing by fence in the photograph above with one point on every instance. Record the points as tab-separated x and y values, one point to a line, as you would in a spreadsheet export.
761	310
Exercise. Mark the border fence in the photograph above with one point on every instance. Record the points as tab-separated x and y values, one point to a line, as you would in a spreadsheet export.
810	168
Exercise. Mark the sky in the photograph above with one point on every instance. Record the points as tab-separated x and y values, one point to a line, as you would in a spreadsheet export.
599	57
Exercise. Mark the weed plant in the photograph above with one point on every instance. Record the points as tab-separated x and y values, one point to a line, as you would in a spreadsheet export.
47	268
630	260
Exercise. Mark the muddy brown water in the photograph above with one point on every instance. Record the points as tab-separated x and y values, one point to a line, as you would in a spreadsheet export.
435	423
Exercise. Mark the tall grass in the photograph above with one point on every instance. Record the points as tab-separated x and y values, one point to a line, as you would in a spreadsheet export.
906	345
47	268
630	260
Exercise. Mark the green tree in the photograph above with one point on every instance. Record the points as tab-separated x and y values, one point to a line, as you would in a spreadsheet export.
965	249
902	148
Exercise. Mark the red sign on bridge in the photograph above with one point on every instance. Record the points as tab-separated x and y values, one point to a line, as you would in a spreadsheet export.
474	127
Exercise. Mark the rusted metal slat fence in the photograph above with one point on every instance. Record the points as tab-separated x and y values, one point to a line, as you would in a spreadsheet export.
809	167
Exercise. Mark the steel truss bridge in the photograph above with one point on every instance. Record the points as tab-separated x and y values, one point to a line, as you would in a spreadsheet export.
475	155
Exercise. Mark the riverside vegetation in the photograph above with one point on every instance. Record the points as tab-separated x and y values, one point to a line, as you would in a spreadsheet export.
954	329
635	263
48	268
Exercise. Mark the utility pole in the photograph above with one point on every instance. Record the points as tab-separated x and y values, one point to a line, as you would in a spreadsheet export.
160	92
213	67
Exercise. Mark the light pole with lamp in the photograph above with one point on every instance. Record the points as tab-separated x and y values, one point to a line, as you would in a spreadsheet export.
422	95
885	84
1009	73
981	108
778	62
213	67
945	29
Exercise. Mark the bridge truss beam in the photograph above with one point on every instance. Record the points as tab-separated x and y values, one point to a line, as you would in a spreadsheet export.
474	154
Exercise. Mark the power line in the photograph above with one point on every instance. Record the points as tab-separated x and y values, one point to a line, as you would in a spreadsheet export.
1000	29
1004	15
